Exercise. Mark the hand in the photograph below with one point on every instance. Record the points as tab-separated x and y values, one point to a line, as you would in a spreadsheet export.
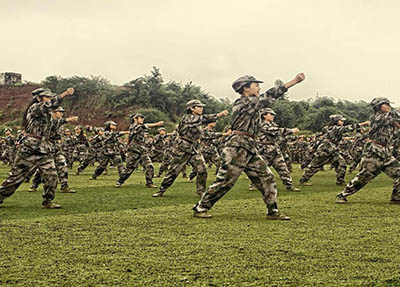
367	123
295	130
73	119
160	123
223	113
299	77
70	91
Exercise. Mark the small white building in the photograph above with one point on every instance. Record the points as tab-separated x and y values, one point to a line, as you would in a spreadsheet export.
10	78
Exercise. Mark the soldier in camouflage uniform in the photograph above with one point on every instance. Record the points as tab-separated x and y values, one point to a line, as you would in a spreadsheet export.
81	145
96	147
270	135
137	151
184	151
377	155
68	147
357	148
56	123
10	146
159	145
240	152
167	156
110	152
328	148
35	151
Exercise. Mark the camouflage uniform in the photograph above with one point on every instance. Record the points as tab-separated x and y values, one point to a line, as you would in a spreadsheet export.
68	149
10	149
167	156
270	134
81	145
137	152
184	151
327	151
109	153
377	155
58	155
209	148
35	152
96	147
159	144
240	152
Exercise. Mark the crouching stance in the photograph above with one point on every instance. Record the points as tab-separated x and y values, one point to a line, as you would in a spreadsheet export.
377	156
240	151
184	149
35	151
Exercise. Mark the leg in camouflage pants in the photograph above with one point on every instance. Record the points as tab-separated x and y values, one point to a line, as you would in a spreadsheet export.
103	162
179	161
132	162
371	167
322	157
235	160
274	158
25	163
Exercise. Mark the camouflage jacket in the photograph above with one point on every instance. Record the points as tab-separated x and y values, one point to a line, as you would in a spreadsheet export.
190	131
208	142
111	142
68	144
334	134
160	141
136	141
269	133
37	129
245	117
381	134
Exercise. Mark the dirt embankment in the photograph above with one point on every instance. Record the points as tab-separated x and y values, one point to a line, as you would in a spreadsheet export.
14	100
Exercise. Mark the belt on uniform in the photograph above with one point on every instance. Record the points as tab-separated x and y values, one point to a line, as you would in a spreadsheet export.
240	133
378	143
33	136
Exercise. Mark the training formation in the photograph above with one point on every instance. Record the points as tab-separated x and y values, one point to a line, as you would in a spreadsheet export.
44	151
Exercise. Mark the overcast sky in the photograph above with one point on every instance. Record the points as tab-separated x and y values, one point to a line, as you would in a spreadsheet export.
348	49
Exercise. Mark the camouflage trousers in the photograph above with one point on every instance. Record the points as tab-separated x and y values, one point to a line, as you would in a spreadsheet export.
166	161
132	162
89	159
26	162
274	157
208	158
62	171
104	160
372	166
179	161
69	158
323	156
235	160
288	159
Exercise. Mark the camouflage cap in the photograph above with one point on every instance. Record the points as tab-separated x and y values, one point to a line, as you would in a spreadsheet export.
137	115
78	127
194	103
8	129
37	91
242	81
161	129
379	101
59	109
267	111
42	92
337	117
109	123
100	129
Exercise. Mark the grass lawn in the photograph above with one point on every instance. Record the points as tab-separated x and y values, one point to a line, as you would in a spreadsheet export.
104	236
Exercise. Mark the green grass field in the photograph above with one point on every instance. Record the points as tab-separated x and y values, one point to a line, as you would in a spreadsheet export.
105	236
